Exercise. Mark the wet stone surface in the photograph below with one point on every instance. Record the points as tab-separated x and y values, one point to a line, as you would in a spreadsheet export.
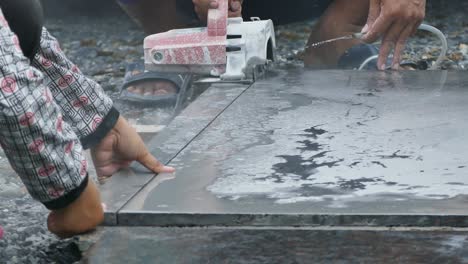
305	143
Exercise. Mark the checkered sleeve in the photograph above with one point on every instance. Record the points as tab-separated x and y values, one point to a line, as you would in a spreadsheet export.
84	104
40	146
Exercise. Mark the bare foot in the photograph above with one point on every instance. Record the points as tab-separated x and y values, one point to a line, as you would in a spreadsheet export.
81	216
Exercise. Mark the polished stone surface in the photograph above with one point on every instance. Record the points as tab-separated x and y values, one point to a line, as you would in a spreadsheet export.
172	245
353	148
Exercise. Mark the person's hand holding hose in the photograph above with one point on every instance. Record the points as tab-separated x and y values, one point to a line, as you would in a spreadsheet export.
394	21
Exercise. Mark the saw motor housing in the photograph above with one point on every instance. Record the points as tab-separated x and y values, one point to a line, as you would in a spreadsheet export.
228	48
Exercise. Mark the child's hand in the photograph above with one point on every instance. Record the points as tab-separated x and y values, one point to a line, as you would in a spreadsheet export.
120	148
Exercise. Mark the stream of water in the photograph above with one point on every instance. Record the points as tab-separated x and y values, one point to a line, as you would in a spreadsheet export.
317	44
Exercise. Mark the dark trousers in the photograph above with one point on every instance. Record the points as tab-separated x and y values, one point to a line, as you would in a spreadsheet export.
283	11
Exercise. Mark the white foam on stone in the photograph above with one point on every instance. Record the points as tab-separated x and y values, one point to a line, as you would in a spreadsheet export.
431	141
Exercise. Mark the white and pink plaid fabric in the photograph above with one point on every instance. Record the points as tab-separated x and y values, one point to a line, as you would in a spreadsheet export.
48	111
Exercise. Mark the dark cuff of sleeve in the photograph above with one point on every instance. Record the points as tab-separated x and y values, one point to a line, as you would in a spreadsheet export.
68	198
107	124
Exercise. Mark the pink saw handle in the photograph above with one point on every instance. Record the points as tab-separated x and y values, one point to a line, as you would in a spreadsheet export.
217	19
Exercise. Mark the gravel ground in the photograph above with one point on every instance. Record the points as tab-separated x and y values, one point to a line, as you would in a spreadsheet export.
101	47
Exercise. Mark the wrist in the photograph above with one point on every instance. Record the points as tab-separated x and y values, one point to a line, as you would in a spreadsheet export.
102	129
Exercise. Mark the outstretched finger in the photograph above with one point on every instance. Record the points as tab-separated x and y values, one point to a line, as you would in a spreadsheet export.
400	46
152	164
388	43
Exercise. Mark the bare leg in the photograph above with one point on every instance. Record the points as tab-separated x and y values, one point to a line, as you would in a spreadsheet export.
341	18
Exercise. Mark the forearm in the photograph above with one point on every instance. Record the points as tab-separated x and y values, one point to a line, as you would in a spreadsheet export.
85	106
41	147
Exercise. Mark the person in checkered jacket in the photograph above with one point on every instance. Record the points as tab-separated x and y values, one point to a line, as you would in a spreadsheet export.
49	113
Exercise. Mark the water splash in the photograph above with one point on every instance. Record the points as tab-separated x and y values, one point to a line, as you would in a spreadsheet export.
317	44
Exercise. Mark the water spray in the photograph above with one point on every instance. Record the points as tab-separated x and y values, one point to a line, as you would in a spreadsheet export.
360	36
